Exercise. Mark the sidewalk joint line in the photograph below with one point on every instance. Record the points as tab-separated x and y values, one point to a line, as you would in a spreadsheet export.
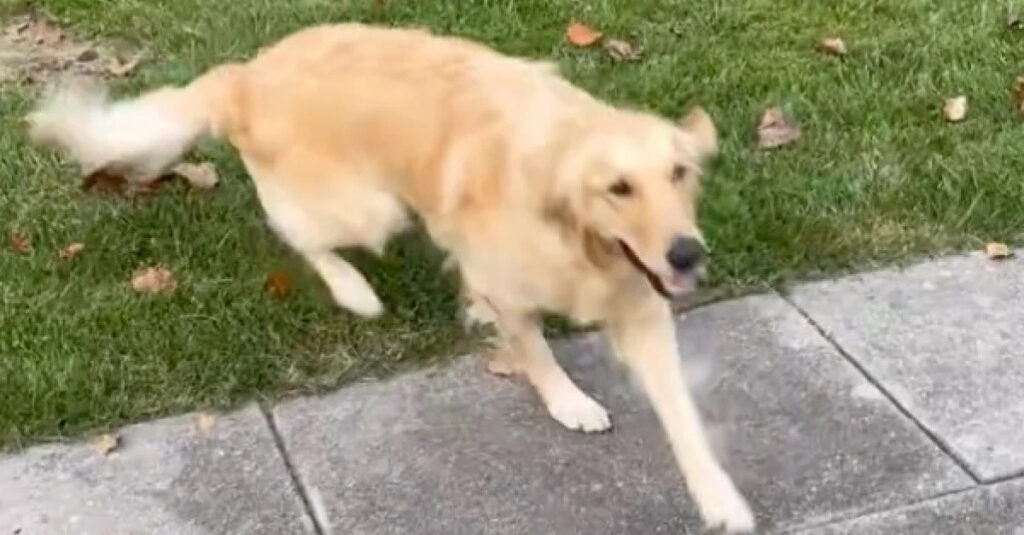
945	448
300	489
869	512
1012	476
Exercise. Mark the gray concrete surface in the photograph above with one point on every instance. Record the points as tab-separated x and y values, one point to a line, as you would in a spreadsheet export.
946	340
994	510
862	432
167	478
453	450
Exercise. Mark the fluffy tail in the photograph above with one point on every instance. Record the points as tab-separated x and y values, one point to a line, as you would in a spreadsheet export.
138	138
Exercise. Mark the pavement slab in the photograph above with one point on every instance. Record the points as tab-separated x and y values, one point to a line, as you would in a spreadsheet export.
168	477
945	339
991	510
452	450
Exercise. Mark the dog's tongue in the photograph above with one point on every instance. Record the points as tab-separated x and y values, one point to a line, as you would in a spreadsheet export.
682	281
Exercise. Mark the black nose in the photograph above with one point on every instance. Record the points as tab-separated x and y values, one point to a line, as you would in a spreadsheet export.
685	253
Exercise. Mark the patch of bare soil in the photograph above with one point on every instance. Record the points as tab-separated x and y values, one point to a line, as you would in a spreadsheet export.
35	50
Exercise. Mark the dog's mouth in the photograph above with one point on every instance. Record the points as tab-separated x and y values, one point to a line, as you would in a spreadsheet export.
678	284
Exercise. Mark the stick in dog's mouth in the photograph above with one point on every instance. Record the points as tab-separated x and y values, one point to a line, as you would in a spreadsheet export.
655	280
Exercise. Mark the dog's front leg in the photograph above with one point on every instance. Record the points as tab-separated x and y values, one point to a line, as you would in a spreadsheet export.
644	338
522	349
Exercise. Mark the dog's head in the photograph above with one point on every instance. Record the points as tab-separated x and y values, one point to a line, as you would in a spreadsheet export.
634	182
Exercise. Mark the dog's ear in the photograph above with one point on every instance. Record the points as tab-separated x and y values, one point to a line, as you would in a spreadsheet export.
564	195
699	133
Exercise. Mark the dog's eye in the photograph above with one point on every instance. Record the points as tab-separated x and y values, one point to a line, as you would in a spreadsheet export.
621	188
679	173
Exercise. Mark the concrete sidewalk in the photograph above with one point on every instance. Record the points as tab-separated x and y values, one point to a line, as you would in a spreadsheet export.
885	403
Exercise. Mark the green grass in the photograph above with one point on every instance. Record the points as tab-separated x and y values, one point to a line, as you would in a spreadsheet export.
878	177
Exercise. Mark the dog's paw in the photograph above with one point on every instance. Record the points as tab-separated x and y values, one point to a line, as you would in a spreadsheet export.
360	300
721	505
500	366
367	307
579	412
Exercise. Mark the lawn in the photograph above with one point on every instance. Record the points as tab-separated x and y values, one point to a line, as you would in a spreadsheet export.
878	177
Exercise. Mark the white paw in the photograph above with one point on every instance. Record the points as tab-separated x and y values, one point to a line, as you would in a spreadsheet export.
500	367
578	412
360	299
721	505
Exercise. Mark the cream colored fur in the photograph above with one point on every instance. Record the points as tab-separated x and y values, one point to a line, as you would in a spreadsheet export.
534	188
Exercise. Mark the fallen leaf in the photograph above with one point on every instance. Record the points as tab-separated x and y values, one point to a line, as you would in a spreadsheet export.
621	50
776	130
154	280
997	251
1018	94
87	55
19	243
201	175
103	180
278	283
833	45
120	67
582	35
205	421
107	181
106	443
151	187
71	251
955	109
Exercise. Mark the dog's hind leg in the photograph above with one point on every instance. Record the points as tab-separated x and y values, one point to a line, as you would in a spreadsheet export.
314	221
521	348
348	287
644	338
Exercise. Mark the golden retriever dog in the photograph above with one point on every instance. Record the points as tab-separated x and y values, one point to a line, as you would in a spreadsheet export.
544	198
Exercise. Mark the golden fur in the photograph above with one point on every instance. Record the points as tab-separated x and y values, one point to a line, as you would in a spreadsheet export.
539	193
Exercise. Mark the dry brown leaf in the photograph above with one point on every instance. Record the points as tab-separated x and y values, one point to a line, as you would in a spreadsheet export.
88	55
19	243
955	109
621	50
1018	94
279	284
776	130
103	180
832	45
205	421
106	443
106	181
71	251
121	67
151	187
578	34
199	175
997	251
154	280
